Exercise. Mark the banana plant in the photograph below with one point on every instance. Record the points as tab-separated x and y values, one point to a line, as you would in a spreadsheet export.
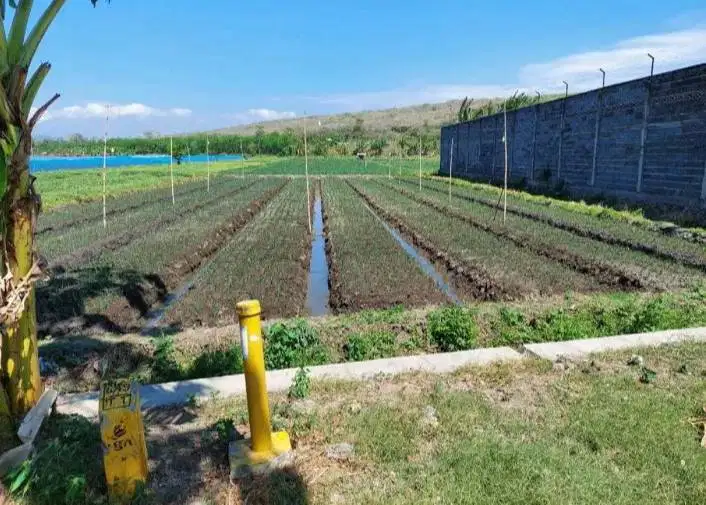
19	202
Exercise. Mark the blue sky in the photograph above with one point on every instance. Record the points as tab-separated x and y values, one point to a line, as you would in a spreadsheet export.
174	66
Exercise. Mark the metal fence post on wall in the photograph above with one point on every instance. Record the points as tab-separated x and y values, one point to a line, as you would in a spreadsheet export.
561	130
597	131
495	147
480	141
645	119
703	188
534	139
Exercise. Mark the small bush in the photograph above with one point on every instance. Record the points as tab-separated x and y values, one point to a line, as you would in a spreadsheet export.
452	329
293	345
300	385
217	363
165	367
372	345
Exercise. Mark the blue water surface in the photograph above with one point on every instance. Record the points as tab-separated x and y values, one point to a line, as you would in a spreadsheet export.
55	163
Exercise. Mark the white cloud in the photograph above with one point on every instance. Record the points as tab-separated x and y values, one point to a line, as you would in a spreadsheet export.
98	110
625	60
256	115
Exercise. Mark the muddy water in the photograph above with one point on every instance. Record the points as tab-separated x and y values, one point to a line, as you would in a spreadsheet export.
155	316
317	299
423	263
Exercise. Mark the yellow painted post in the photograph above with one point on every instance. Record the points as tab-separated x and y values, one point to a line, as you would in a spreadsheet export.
123	437
263	445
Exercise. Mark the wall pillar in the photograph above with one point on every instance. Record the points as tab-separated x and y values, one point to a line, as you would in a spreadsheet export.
596	134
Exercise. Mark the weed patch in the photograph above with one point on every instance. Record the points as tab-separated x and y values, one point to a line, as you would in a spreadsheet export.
452	329
294	344
371	345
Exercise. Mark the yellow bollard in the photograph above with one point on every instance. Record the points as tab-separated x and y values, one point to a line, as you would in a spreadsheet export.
123	437
263	445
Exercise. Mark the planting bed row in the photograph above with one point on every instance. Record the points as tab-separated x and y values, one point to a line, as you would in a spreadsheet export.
267	260
637	238
611	264
115	288
503	269
368	269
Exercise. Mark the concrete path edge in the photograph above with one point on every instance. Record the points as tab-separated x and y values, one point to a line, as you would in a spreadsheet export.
179	393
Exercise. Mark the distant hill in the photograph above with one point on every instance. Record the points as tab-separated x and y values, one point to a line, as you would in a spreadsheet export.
427	116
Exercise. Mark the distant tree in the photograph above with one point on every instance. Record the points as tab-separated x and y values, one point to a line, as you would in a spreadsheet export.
259	133
358	128
76	138
464	111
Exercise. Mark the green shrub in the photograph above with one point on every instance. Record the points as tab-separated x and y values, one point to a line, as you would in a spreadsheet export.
217	363
293	345
165	367
300	385
372	345
452	329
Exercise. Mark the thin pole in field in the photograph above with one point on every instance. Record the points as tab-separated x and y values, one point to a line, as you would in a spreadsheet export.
389	166
105	161
306	174
208	166
451	163
506	171
188	152
242	160
420	163
171	166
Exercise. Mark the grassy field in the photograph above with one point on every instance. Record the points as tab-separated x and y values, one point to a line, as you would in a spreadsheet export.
597	431
349	166
75	186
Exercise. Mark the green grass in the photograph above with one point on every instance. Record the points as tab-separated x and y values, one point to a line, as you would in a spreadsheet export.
75	186
349	166
514	433
633	217
591	438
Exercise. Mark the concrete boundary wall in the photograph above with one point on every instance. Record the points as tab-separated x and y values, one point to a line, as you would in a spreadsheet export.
640	141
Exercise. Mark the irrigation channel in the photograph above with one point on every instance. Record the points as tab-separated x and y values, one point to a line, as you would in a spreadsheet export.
317	300
423	263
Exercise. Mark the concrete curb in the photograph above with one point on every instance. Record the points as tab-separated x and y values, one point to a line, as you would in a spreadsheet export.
178	393
581	348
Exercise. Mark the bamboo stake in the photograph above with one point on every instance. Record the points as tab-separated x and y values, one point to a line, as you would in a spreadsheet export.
208	166
171	166
506	170
242	160
420	163
451	162
306	173
105	163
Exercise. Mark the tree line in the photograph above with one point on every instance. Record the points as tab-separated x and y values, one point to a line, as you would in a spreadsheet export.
342	142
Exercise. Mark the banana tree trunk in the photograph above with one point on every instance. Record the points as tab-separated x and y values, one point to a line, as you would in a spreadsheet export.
20	358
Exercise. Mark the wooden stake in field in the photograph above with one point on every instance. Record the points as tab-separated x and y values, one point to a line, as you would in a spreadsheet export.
451	163
171	166
389	166
506	168
208	166
306	174
420	163
242	160
105	162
